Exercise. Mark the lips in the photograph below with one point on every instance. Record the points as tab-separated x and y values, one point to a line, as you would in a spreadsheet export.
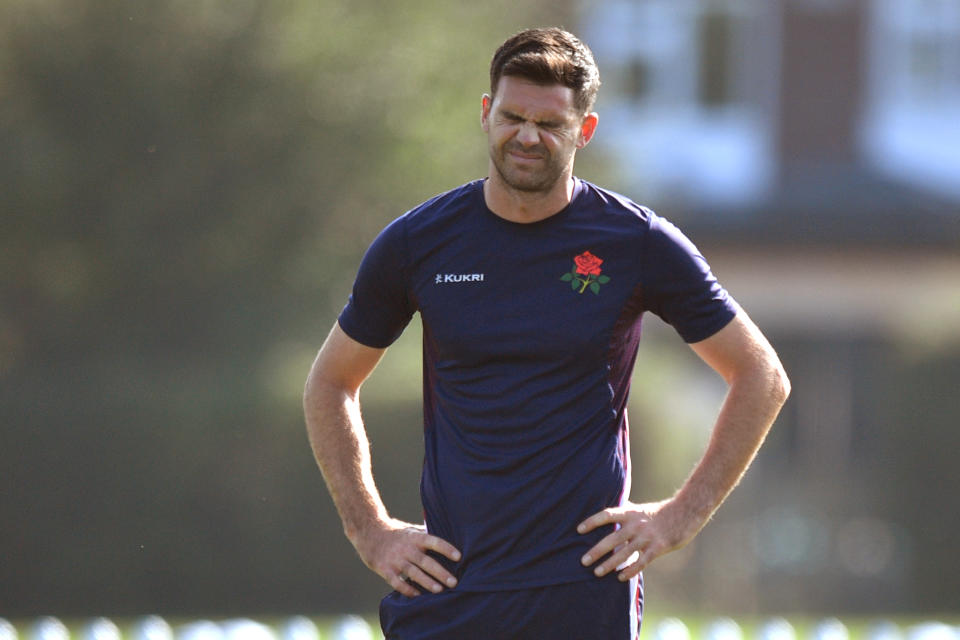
525	155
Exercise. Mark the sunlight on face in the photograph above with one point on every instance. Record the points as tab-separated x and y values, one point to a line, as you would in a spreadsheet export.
533	132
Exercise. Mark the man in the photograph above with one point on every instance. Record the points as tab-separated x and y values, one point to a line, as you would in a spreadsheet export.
530	284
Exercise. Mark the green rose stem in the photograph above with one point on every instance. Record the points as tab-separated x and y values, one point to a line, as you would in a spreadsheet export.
585	283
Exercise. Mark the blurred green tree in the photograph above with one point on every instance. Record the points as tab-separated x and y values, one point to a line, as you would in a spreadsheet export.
187	188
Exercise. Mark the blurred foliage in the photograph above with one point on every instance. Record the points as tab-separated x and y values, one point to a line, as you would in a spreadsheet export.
168	164
187	188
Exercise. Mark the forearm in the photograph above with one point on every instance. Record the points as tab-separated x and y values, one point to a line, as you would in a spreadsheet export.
647	531
753	401
339	442
397	551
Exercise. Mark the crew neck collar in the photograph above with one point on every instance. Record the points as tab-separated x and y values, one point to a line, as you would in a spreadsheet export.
575	193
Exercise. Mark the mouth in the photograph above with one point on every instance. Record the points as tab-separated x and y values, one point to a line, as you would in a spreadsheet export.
524	156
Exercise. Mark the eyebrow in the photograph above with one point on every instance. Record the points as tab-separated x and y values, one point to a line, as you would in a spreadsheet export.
549	122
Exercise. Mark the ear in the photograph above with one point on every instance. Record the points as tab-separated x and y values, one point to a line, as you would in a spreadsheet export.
587	128
485	106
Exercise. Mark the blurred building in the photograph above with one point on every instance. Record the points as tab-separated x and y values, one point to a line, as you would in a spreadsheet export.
812	150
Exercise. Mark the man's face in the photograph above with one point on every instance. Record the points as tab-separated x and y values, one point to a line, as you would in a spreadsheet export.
533	132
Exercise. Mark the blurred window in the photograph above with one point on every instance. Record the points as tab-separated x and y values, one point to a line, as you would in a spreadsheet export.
689	95
912	120
715	35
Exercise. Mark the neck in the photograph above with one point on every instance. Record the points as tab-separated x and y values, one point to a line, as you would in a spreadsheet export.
526	206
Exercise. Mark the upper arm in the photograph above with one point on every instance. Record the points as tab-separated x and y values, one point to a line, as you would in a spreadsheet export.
679	286
343	362
739	349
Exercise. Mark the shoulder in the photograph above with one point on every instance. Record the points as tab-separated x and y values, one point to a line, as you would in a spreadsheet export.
427	217
444	205
663	247
615	208
627	209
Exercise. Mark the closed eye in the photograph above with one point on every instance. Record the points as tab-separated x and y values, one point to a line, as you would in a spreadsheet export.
543	124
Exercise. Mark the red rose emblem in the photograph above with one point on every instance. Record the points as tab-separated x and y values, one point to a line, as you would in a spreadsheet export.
588	264
585	274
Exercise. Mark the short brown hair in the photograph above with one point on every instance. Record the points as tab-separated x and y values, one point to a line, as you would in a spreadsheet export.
549	56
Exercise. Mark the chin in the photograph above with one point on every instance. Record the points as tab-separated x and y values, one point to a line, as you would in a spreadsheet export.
528	183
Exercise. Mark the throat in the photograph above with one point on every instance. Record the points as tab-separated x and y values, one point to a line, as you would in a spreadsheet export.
526	207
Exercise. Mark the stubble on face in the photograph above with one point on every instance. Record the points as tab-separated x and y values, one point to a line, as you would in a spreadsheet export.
538	171
531	166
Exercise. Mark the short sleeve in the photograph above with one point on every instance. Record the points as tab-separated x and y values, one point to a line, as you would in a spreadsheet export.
380	307
679	286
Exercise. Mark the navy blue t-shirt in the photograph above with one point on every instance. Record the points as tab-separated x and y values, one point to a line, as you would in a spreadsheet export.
530	333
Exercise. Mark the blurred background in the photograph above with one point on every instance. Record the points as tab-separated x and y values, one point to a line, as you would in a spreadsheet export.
187	188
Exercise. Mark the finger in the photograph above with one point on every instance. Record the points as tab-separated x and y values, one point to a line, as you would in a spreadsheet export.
607	516
418	576
634	569
623	557
435	569
651	552
400	584
442	547
607	545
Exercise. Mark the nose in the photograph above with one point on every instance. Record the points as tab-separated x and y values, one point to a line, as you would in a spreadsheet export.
527	134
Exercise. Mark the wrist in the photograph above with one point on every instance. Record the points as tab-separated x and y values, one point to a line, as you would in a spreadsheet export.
359	529
689	511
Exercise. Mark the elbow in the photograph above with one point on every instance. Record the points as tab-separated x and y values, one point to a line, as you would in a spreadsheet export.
323	390
780	383
316	388
310	389
764	378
